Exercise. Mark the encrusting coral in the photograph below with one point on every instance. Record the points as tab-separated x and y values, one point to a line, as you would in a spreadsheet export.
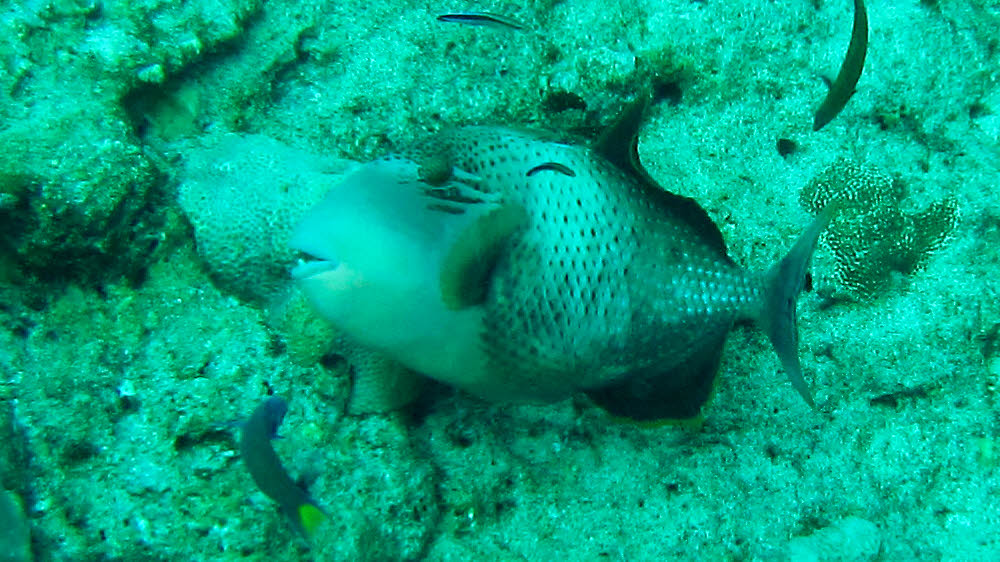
242	194
871	237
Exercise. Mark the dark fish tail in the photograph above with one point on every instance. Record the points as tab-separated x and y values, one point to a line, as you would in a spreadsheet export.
783	283
850	70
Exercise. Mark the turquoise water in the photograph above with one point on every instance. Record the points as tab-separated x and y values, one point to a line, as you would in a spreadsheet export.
155	156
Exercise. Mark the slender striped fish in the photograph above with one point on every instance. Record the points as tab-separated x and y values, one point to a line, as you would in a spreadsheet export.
483	19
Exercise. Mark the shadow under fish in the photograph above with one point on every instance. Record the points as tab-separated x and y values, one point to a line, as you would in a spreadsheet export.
519	267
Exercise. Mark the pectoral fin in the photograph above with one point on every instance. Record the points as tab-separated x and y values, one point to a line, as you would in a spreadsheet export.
468	266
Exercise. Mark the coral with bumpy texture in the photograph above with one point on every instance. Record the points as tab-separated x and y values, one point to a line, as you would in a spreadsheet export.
871	237
244	194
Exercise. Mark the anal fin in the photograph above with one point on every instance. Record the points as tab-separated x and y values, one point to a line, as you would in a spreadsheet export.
674	394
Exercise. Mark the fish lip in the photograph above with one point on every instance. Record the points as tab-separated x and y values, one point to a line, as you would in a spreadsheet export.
313	268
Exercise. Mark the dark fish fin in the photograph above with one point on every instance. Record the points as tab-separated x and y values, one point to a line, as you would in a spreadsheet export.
783	283
620	145
677	394
689	211
466	270
620	142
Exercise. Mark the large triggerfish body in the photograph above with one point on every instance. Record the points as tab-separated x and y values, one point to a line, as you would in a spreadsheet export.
518	266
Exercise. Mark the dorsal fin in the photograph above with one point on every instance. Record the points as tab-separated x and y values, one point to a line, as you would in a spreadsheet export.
619	144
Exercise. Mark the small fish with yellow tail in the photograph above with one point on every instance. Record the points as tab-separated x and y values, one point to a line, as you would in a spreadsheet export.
521	267
267	471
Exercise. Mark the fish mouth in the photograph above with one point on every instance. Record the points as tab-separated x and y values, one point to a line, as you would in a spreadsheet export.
312	267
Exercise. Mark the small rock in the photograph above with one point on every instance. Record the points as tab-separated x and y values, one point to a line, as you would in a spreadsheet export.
850	538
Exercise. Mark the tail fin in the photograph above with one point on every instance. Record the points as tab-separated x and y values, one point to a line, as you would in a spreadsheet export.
783	284
307	518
